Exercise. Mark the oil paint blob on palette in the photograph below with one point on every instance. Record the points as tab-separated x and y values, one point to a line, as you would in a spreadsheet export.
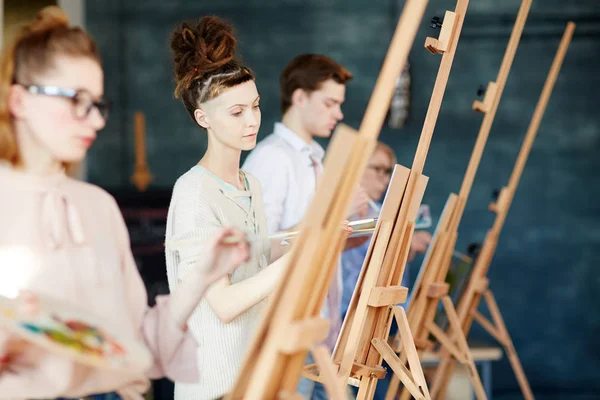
61	328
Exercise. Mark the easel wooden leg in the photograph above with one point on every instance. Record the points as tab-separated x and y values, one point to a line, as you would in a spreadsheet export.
394	385
413	380
393	388
443	373
405	395
457	348
366	390
334	387
461	351
499	332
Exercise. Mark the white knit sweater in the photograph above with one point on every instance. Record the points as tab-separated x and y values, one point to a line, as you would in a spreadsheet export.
200	205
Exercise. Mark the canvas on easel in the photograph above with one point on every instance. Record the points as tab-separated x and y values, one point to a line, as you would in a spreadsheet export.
478	286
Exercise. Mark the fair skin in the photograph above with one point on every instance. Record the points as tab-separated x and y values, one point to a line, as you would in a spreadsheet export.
232	120
38	117
49	134
376	177
316	114
215	264
375	181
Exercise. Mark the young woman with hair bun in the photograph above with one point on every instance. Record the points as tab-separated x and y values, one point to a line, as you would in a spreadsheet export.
66	239
220	95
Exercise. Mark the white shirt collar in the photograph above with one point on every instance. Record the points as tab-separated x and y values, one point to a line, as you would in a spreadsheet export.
314	148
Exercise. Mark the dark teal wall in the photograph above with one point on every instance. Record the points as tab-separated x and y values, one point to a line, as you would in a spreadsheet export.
545	273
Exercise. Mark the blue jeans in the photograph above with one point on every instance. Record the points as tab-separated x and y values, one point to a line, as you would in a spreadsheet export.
106	396
310	389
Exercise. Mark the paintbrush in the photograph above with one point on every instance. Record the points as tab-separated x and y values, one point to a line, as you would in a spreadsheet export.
226	240
374	206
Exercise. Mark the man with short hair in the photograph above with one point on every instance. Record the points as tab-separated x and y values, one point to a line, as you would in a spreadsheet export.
289	161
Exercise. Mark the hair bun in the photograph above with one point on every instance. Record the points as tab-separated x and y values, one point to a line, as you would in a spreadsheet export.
203	48
49	18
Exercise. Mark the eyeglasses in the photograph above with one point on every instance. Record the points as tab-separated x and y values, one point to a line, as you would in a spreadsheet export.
82	100
379	170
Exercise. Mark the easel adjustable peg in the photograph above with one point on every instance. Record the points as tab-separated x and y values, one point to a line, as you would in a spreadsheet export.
490	94
481	91
498	200
493	207
447	26
437	290
436	22
473	250
495	194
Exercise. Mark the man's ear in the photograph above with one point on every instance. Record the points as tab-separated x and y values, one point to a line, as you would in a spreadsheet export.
201	118
16	101
299	97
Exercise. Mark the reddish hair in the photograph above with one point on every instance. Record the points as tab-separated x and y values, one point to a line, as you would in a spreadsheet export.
308	72
204	61
32	53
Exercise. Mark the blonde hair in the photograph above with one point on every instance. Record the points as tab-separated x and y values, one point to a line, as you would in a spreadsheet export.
387	150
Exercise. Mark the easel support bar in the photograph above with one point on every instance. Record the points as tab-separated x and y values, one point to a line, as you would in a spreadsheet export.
399	369
387	296
488	326
437	290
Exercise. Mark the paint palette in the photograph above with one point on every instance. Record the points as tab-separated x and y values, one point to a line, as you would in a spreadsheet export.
65	330
363	227
363	224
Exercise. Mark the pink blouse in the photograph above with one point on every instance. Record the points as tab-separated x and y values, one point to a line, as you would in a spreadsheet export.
66	238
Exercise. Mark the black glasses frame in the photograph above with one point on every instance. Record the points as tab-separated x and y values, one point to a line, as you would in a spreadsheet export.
81	100
381	170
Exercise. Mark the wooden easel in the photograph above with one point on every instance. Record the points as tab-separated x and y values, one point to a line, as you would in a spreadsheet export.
478	284
362	343
141	177
385	297
429	290
292	324
430	287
